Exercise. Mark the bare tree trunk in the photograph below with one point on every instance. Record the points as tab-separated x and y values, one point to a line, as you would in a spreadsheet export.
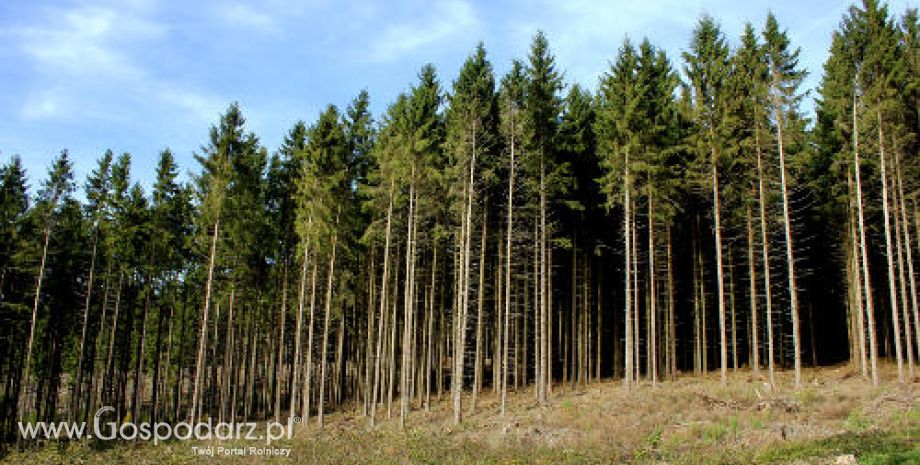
98	378
203	334
308	363
78	387
280	363
864	252
227	369
431	314
537	346
383	306
672	325
139	363
910	263
548	345
731	300
697	286
653	291
893	296
480	297
109	373
635	273
408	310
717	217
765	252
790	258
857	282
544	346
752	277
369	344
902	277
298	331
391	348
24	380
627	253
338	386
322	363
508	255
498	299
462	310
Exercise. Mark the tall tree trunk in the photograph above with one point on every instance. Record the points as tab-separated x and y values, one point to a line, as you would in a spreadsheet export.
328	316
653	291
857	282
391	348
480	298
599	326
509	251
902	275
24	380
462	310
369	345
731	300
717	218
203	334
543	340
308	363
431	315
97	379
905	224
637	353
139	359
765	258
280	361
383	306
672	324
408	309
790	257
226	379
752	281
627	268
298	326
863	251
78	386
889	253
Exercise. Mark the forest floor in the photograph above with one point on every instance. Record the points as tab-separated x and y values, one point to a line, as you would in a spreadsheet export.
694	420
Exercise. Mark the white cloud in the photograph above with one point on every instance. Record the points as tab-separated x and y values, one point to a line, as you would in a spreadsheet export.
447	19
82	43
90	63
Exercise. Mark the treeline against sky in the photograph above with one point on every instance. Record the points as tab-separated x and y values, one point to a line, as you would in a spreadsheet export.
486	234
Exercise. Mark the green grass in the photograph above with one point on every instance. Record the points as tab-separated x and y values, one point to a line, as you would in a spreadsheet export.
856	421
879	447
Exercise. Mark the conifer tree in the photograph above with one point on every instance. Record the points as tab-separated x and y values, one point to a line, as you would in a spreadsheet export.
785	78
542	108
707	67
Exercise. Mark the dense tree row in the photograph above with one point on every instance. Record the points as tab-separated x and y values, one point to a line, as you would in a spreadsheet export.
506	233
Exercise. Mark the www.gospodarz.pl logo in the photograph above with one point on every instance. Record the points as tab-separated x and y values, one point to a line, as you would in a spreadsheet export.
159	431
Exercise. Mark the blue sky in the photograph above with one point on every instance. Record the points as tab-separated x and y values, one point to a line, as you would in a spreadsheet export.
143	75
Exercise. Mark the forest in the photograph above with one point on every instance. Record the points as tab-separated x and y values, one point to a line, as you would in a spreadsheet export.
486	235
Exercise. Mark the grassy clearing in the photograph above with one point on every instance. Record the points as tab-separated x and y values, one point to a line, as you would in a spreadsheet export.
694	420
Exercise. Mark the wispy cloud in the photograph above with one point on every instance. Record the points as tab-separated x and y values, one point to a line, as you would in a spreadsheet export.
194	105
90	62
447	19
82	42
247	17
47	103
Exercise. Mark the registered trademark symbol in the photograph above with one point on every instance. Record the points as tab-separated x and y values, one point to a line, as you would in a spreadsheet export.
297	419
